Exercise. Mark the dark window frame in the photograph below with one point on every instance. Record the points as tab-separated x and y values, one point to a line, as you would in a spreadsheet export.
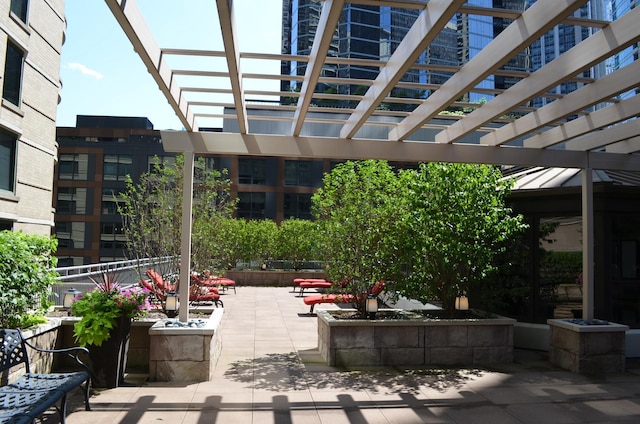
20	8
8	160
13	74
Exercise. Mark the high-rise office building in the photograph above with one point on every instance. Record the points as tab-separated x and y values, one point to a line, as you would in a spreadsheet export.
374	32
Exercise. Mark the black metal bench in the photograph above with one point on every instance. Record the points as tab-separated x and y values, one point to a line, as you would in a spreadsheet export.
28	397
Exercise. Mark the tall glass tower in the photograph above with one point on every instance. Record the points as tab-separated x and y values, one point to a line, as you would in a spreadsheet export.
374	32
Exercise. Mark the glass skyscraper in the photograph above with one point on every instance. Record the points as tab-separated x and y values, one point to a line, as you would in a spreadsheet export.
374	32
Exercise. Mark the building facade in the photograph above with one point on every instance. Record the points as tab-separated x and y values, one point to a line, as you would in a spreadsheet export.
32	34
97	154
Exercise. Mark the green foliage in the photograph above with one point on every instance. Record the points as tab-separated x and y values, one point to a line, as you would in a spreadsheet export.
458	222
228	243
258	240
360	210
151	209
298	240
27	274
100	309
561	267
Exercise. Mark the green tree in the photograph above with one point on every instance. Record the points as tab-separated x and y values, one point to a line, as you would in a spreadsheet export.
298	241
151	210
259	240
27	274
359	209
458	222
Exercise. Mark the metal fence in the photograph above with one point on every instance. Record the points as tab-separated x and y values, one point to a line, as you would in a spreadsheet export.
79	277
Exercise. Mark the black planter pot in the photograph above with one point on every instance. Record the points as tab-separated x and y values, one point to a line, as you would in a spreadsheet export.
109	360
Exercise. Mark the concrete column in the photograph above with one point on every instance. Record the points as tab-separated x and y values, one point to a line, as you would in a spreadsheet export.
185	242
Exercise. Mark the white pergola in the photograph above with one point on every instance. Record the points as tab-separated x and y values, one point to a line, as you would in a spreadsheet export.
502	131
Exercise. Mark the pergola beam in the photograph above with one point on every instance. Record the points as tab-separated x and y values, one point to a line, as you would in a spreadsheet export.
596	139
355	149
425	29
529	26
135	28
230	40
331	11
605	43
585	97
590	123
631	145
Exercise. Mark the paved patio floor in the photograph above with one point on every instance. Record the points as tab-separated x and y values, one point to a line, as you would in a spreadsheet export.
270	372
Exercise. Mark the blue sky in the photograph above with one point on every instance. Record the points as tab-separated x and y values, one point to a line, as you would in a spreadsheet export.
102	75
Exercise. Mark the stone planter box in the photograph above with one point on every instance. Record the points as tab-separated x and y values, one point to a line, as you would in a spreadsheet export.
185	354
418	341
587	348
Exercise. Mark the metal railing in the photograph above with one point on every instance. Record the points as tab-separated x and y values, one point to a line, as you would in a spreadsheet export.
79	277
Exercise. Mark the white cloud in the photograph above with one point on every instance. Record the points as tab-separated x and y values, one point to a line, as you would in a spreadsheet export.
86	71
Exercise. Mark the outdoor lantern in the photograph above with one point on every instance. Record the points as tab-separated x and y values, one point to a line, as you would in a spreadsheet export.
372	305
69	296
462	302
171	304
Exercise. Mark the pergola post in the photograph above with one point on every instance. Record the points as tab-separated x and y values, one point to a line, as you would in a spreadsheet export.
185	239
587	244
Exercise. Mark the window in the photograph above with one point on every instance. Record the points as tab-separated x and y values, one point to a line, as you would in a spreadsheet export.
252	171
110	200
6	225
297	206
70	235
72	201
117	167
8	143
72	261
112	236
73	167
298	173
251	205
19	8
159	162
12	74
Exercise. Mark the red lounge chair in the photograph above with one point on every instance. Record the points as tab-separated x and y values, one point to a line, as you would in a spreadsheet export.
298	281
313	285
159	282
225	283
312	301
205	294
222	282
156	295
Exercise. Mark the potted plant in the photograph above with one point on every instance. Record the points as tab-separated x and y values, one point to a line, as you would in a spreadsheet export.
105	322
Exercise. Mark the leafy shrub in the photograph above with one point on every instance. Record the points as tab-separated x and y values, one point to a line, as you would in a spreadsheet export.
26	276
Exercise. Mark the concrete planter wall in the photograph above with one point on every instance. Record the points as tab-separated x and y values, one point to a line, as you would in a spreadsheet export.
185	354
414	342
587	348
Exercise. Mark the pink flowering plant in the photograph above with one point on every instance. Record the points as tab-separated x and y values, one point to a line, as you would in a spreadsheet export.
101	308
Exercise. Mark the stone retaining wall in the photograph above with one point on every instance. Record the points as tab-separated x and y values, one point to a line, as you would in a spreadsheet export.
414	342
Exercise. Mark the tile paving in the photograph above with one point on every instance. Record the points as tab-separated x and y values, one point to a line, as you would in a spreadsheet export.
270	372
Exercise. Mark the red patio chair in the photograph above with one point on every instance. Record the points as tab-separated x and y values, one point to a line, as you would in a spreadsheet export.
312	301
